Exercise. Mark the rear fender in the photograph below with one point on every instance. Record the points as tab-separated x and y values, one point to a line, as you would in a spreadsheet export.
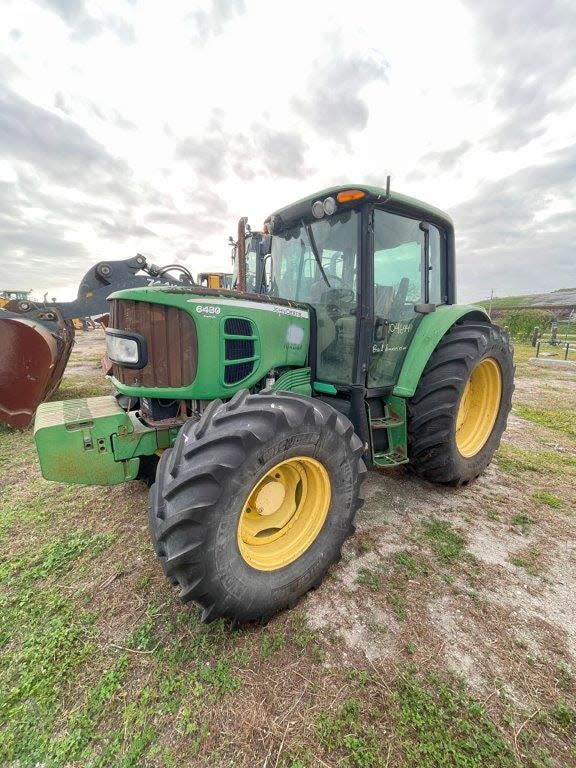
425	340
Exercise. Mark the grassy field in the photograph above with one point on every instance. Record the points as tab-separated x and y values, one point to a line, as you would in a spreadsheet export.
562	296
516	313
445	637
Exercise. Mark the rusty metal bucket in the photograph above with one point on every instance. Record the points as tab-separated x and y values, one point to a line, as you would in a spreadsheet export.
33	358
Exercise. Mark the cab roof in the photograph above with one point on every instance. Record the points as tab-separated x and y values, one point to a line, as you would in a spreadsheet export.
394	200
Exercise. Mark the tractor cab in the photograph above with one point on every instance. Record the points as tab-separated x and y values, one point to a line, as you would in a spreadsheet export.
371	264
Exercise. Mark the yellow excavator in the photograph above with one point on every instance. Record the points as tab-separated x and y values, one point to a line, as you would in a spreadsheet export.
7	296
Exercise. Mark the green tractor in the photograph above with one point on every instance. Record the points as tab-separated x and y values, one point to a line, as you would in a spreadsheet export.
255	415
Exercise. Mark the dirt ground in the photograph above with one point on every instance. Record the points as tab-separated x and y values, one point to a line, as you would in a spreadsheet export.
465	596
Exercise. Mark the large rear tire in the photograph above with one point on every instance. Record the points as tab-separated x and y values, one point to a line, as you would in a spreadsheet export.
254	501
459	410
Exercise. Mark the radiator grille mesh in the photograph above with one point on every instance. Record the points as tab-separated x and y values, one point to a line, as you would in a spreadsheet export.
170	335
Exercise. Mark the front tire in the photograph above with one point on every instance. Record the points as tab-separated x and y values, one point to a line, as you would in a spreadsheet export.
458	413
254	501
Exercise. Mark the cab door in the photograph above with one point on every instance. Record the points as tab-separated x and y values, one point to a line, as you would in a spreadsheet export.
408	257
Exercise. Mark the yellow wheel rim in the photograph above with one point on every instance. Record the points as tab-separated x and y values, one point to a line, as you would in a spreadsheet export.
479	406
284	513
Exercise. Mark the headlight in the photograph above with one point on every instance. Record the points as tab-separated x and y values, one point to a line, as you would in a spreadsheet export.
329	206
126	348
317	209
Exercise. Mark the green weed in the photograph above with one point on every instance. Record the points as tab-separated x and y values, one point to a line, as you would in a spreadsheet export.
397	602
548	498
46	639
348	733
523	521
410	648
271	643
529	561
409	565
565	676
438	724
448	545
81	726
359	676
369	578
305	638
516	461
559	419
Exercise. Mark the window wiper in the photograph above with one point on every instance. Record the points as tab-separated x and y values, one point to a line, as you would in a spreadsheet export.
312	243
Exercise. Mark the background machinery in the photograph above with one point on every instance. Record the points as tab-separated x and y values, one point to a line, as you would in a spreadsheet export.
6	296
265	409
249	250
36	338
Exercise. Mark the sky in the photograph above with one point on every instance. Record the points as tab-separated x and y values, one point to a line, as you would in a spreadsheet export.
138	126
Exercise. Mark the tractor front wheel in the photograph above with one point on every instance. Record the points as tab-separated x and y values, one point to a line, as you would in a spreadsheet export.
254	502
459	410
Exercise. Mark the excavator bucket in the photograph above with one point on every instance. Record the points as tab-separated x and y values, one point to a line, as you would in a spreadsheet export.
33	361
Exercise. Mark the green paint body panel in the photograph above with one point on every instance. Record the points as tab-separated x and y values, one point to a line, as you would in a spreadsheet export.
93	441
425	340
296	380
281	336
324	388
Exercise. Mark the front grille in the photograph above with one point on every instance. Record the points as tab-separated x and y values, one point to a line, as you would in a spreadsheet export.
235	373
170	335
241	349
236	349
238	326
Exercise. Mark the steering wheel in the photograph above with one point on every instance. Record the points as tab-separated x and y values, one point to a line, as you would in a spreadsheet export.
319	288
330	278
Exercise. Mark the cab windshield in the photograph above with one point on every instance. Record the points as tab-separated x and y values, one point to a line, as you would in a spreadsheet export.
317	263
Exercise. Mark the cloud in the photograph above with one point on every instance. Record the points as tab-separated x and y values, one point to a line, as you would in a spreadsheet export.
84	26
259	150
39	247
202	219
446	159
212	21
70	11
334	106
8	70
527	51
506	241
60	103
441	161
207	156
121	227
56	147
282	152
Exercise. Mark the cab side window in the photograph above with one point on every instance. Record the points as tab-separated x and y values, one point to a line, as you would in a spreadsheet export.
399	284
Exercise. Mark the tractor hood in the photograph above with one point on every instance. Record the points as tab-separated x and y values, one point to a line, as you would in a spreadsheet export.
180	342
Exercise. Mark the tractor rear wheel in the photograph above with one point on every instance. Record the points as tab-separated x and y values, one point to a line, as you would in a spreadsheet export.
254	502
459	410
